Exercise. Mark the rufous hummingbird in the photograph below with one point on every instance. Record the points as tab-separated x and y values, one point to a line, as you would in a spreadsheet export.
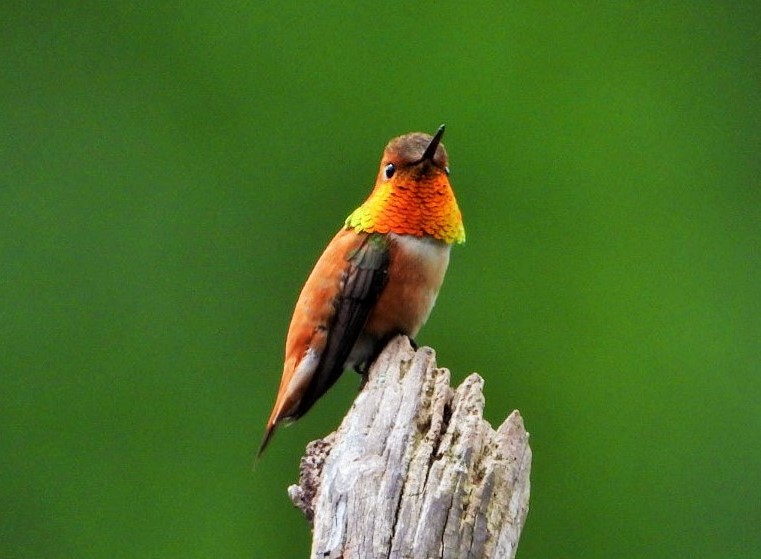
377	278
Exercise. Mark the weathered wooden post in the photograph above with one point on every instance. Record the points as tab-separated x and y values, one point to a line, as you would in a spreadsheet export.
414	471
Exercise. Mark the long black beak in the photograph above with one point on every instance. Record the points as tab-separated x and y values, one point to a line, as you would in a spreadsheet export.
430	151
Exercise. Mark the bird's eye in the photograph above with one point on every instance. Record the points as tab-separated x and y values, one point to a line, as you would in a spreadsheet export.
446	170
389	170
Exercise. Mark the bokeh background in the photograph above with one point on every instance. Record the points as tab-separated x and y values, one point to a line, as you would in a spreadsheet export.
169	174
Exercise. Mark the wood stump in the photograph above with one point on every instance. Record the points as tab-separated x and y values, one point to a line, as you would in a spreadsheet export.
414	471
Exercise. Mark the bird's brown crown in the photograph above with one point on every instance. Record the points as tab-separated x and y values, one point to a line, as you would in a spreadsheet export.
412	194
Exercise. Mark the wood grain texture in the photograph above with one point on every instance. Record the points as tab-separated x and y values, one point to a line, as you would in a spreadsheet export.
414	471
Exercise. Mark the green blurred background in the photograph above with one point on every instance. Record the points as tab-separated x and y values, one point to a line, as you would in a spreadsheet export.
169	175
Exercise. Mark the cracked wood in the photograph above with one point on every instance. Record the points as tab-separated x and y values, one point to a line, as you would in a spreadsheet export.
414	471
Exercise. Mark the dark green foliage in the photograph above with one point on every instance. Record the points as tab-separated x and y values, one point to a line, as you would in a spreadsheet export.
170	173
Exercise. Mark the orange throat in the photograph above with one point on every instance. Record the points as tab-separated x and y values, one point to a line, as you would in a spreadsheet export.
424	208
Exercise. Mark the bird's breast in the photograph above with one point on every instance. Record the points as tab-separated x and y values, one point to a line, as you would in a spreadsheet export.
416	272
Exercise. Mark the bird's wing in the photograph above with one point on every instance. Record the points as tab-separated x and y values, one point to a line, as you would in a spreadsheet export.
320	338
365	277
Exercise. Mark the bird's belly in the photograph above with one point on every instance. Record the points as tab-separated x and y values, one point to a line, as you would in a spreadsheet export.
415	274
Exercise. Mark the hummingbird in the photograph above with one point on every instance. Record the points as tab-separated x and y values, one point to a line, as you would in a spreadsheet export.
378	277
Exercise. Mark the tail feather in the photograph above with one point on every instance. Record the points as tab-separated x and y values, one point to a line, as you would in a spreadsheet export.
267	437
